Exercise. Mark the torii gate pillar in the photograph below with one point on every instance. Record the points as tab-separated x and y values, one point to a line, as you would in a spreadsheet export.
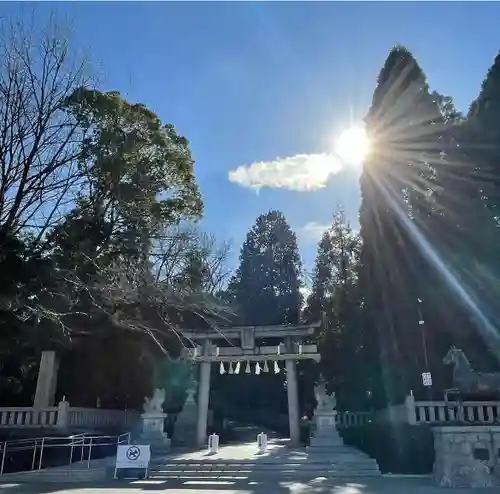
203	401
293	402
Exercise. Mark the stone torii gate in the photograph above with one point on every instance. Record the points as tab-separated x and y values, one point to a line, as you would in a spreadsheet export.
244	350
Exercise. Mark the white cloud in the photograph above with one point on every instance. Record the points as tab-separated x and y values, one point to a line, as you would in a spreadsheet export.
302	172
312	231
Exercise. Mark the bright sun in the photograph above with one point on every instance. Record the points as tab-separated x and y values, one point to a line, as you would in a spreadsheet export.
352	145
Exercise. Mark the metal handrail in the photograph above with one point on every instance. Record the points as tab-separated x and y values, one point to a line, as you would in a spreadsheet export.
42	443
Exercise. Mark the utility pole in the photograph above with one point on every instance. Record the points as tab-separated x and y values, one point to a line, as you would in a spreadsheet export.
421	323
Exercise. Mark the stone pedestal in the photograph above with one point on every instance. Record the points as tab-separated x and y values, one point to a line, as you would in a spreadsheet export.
152	432
467	456
185	425
326	434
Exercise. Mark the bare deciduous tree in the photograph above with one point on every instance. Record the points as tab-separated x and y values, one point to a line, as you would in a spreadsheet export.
39	141
173	250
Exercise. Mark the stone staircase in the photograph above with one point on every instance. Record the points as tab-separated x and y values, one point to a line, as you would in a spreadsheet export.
327	456
345	467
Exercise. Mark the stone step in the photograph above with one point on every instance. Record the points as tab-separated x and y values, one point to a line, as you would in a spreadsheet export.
333	433
344	466
271	464
283	474
325	444
329	452
327	440
333	437
316	472
310	463
226	464
160	451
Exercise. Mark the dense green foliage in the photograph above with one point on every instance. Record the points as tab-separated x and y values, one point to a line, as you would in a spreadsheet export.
427	235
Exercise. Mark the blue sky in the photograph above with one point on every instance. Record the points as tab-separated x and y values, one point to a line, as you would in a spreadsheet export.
253	82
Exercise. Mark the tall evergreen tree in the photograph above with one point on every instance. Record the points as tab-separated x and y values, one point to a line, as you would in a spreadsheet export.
335	293
484	136
264	291
394	185
266	285
480	268
460	231
422	223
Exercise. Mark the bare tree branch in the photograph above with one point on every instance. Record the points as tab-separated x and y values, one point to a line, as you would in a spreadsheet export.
170	256
130	299
40	141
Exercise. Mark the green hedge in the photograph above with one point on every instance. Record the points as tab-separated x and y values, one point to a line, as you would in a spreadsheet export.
404	449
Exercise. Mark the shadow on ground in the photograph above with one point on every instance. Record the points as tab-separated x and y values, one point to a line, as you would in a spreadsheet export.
237	469
247	486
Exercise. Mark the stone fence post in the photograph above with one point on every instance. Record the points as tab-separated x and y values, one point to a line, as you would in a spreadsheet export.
62	414
411	413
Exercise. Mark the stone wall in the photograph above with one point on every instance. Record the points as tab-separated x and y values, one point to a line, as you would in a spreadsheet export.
467	456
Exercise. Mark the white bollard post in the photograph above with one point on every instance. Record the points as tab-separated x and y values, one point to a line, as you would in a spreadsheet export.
213	444
262	442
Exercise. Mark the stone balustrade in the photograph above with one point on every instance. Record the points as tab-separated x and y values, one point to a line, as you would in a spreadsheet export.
411	412
100	418
28	417
65	416
352	419
439	412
